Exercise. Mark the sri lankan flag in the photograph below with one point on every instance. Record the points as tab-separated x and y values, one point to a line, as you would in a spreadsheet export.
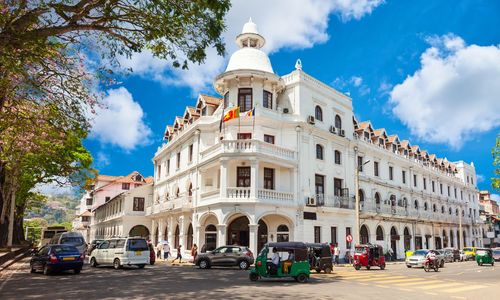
233	113
250	113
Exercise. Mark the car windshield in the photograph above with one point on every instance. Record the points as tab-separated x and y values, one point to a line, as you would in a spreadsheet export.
468	250
72	240
64	249
482	252
360	250
420	253
496	252
137	245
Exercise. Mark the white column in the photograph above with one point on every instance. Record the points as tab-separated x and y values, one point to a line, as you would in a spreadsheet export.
170	227
223	178
161	222
182	228
253	228
221	235
152	233
254	178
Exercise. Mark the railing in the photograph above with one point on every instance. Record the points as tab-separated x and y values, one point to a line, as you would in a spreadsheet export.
209	194
249	146
334	201
274	195
238	192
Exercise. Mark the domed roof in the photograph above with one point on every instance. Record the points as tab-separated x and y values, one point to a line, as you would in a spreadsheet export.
249	56
249	59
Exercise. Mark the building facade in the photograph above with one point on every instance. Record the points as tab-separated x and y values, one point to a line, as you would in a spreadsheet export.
104	189
491	219
286	170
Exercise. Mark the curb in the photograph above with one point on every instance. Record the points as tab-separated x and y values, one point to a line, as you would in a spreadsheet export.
13	257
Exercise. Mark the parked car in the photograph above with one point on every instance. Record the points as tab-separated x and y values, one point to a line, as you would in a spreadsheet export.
455	253
120	252
70	238
447	255
463	256
470	252
93	245
417	259
496	254
226	256
440	258
53	258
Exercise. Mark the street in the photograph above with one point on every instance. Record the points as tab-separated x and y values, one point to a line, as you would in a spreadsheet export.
455	281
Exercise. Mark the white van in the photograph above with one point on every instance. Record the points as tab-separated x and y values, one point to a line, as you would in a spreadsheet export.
121	252
70	238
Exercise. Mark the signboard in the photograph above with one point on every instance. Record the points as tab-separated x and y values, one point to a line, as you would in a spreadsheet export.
348	238
490	234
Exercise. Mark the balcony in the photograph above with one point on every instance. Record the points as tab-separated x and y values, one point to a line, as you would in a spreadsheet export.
244	195
248	147
321	200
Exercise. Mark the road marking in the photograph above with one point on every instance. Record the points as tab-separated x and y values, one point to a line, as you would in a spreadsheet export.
381	278
403	280
425	281
458	297
429	293
437	286
382	286
463	289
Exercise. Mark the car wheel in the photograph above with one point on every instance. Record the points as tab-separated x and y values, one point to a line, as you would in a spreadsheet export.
116	264
357	267
46	270
204	264
253	276
441	265
77	271
32	269
244	265
302	278
382	267
328	270
93	262
368	267
408	266
492	264
141	266
318	270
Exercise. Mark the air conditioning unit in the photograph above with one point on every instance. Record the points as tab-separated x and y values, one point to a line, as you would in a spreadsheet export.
333	129
342	132
311	201
285	110
310	120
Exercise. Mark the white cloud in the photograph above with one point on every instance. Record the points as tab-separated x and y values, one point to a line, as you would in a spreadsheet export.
480	178
356	80
453	95
284	24
102	159
495	197
54	188
120	121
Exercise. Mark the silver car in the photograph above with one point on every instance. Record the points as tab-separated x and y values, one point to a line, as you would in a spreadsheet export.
447	255
417	259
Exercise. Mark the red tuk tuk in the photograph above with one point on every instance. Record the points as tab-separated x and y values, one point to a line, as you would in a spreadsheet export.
369	255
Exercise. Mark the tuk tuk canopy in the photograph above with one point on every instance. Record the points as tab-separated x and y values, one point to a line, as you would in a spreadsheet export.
300	249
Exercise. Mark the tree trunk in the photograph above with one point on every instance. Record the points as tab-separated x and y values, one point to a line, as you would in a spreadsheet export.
10	236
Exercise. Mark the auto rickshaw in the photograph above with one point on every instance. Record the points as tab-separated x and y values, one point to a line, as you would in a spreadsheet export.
320	257
295	265
484	256
369	255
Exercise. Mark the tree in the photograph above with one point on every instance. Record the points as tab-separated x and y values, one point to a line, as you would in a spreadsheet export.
495	181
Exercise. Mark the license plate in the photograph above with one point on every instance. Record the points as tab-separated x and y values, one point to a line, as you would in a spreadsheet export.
138	253
68	258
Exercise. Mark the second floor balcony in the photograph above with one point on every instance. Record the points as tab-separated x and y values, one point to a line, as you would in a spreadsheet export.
322	200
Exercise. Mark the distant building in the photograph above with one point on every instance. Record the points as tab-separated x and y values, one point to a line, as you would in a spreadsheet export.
286	169
103	190
491	219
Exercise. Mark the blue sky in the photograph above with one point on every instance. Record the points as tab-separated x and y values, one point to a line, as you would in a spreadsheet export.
428	71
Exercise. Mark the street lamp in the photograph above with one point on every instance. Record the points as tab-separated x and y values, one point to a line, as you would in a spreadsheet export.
356	187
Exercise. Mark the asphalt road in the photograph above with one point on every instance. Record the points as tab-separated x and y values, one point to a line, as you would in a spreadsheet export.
456	281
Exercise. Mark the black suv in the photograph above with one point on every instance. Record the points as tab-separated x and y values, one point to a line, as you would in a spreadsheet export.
226	256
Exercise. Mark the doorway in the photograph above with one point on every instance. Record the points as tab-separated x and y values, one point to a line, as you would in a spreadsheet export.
238	232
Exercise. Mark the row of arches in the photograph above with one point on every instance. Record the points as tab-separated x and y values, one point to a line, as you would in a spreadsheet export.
318	115
176	192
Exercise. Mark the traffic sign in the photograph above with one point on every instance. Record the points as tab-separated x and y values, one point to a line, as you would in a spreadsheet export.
348	238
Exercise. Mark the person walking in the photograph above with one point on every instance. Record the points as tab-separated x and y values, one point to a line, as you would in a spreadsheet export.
166	251
159	248
179	254
336	253
332	252
194	252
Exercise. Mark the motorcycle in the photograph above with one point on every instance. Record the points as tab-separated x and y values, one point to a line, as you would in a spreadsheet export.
431	264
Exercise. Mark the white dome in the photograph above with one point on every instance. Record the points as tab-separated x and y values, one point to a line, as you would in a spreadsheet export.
250	27
249	59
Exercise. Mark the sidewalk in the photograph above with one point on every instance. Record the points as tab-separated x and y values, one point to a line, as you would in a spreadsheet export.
184	263
7	258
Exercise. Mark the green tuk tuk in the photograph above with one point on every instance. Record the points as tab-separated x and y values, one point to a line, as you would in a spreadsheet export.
296	264
484	256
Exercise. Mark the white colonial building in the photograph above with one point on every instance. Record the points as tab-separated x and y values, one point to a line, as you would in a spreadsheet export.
288	172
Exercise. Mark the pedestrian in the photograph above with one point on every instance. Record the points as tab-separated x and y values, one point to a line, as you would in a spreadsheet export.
332	252
179	254
194	252
336	253
204	248
166	250
159	247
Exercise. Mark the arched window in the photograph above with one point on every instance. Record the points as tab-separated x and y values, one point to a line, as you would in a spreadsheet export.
177	193
338	122
167	196
416	204
189	240
319	151
190	189
176	237
380	234
318	113
282	234
426	206
434	208
456	212
377	199
407	239
393	200
365	238
361	195
211	228
449	211
338	157
442	209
